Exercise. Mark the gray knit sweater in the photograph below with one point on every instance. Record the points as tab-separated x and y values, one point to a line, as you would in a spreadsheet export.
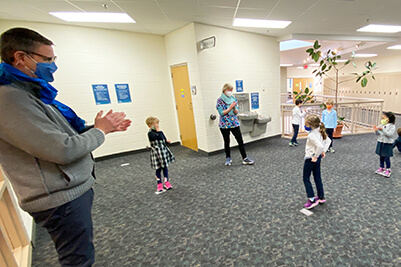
46	160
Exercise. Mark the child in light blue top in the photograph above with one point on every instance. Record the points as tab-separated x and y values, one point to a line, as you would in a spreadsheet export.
329	118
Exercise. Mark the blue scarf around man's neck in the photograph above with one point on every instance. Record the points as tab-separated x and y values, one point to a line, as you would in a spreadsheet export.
47	94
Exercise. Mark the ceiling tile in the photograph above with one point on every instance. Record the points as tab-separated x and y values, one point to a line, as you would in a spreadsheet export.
97	6
252	13
259	4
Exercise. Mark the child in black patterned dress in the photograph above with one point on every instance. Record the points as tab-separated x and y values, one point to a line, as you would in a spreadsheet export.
160	154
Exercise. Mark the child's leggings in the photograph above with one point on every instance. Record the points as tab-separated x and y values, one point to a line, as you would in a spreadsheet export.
309	168
159	174
386	160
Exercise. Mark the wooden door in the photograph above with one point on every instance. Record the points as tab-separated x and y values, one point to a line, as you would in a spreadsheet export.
184	107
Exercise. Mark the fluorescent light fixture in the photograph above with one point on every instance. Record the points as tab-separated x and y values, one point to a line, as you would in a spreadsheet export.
365	55
293	44
286	65
93	17
380	28
300	67
341	60
314	65
261	23
395	47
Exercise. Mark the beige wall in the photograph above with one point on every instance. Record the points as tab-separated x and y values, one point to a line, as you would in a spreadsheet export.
89	56
253	58
238	55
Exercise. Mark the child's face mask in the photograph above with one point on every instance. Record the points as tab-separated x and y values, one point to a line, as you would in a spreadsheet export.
384	121
153	128
329	106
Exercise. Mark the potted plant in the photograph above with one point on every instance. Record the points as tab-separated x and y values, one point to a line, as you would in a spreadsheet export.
328	65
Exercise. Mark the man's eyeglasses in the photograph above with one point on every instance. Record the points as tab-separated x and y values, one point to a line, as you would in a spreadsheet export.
45	58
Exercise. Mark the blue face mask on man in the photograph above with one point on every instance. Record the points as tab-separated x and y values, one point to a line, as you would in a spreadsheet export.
44	70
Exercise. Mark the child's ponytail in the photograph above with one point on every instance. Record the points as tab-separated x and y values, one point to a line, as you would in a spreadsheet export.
322	130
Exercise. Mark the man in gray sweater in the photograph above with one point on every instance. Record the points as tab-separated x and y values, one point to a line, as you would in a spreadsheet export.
45	148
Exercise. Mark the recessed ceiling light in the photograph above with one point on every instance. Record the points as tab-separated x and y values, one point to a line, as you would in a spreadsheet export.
365	55
261	23
396	47
380	28
93	17
293	44
286	65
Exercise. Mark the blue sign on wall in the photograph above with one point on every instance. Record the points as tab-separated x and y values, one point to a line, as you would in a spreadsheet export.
122	91
255	100
239	86
101	93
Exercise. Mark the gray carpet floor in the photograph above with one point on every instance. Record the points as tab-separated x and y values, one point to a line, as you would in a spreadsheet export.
245	215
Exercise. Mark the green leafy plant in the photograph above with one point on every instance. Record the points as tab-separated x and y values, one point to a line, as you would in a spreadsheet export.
328	64
306	95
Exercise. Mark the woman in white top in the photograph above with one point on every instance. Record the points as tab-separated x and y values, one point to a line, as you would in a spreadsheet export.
297	114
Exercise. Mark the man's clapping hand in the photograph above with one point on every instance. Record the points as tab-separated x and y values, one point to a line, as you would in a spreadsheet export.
112	122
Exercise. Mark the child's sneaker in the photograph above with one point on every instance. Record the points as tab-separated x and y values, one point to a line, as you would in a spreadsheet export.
321	200
247	161
380	171
311	204
160	187
167	185
228	161
387	173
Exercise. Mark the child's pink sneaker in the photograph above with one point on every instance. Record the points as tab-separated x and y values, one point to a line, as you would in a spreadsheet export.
310	204
387	173
167	185
160	187
380	171
320	200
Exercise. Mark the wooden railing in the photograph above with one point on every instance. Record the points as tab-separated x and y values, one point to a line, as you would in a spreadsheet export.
15	245
360	114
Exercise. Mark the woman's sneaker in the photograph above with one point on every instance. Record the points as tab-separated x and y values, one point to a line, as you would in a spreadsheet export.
228	161
310	204
167	185
320	200
291	144
380	171
247	161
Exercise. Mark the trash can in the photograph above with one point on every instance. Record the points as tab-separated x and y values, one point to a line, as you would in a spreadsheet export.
260	125
247	121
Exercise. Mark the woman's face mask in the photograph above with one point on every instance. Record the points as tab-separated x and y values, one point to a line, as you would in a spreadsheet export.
229	93
384	121
308	128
